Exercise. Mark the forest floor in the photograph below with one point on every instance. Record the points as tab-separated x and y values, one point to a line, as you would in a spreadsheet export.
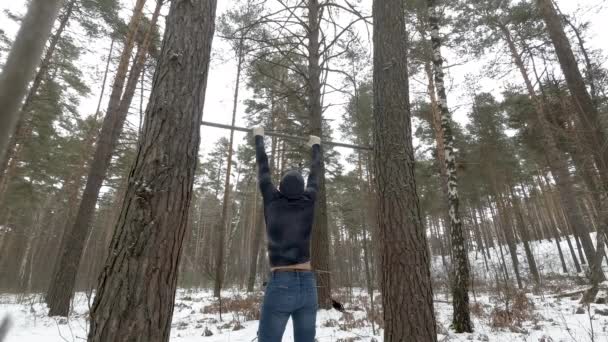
500	312
541	318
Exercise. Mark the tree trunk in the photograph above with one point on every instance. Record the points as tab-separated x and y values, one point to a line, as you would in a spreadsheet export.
552	231
561	254
363	212
147	243
498	226
460	279
23	130
555	214
485	253
555	158
525	237
407	294
588	115
588	64
320	232
258	232
74	182
105	79
33	240
198	242
21	64
62	285
507	229
596	271
221	234
486	233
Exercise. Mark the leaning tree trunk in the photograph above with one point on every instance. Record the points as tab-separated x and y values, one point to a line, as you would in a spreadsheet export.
64	280
555	158
588	115
320	232
136	290
23	130
596	271
21	64
460	263
223	226
525	237
510	238
589	73
407	295
76	179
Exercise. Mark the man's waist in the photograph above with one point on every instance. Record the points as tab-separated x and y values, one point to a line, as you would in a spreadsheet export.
291	270
301	267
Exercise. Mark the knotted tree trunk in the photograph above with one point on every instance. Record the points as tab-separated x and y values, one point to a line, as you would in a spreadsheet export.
136	290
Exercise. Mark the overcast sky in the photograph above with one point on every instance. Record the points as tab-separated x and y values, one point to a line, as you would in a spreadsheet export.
218	105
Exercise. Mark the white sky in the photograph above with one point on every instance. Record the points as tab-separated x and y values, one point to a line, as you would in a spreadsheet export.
218	104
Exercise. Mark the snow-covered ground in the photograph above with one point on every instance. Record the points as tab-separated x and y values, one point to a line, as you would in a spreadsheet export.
553	319
549	315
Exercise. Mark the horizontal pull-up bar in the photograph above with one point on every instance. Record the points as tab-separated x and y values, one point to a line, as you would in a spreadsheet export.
283	136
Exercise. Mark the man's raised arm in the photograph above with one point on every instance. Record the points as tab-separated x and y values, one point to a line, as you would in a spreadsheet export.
312	185
264	178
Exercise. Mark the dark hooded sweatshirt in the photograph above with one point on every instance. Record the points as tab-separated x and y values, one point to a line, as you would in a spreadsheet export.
289	212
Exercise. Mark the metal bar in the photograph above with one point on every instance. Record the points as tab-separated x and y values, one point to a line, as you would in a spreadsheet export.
283	136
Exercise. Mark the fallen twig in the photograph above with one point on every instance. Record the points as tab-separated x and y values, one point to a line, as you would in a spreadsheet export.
572	293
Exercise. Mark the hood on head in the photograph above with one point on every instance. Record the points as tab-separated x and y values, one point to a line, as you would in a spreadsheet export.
292	184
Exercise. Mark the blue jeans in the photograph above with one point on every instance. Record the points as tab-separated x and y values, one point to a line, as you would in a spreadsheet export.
289	294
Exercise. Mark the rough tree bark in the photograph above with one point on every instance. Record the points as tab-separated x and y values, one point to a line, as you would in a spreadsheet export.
407	295
63	283
320	232
136	290
460	278
21	64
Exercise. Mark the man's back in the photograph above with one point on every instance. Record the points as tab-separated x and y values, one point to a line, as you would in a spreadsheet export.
289	211
288	227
